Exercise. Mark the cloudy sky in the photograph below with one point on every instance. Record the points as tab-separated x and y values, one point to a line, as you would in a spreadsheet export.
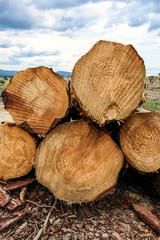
56	33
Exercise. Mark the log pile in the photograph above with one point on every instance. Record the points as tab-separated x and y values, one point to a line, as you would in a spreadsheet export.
78	160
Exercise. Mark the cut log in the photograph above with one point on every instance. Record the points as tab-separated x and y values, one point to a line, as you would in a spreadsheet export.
37	99
78	162
108	81
140	141
17	149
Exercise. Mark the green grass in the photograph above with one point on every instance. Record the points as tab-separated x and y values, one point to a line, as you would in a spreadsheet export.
154	88
6	81
3	84
152	105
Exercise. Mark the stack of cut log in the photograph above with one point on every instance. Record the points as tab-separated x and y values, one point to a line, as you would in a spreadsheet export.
77	159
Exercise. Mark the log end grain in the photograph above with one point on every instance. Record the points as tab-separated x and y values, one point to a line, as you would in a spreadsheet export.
108	81
17	149
140	141
37	98
77	162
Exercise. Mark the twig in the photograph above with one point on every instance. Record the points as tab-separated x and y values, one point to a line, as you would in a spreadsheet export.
29	237
62	207
18	184
38	205
9	233
3	182
43	229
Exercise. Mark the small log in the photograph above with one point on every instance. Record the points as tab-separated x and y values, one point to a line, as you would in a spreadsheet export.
78	162
17	149
108	81
140	141
37	99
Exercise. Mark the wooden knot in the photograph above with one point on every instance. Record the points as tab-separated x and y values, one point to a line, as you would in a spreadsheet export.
111	112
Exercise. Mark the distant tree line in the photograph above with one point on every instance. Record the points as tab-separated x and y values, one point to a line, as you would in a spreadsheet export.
151	80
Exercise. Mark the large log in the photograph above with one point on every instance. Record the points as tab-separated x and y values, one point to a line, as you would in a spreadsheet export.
78	162
140	141
108	81
37	98
17	149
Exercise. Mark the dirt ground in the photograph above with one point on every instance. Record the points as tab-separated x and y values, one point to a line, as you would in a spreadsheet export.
110	218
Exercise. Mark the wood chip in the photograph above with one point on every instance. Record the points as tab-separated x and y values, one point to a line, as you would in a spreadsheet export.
10	221
4	197
116	236
21	227
23	194
14	203
18	184
84	211
147	217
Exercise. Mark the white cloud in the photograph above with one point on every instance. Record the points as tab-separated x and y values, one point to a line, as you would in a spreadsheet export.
55	36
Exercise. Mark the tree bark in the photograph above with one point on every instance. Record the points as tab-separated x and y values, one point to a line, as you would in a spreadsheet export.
108	81
140	141
17	149
37	99
78	162
147	217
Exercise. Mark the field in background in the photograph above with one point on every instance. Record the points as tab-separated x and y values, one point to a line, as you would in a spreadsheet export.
4	81
152	82
3	84
152	105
